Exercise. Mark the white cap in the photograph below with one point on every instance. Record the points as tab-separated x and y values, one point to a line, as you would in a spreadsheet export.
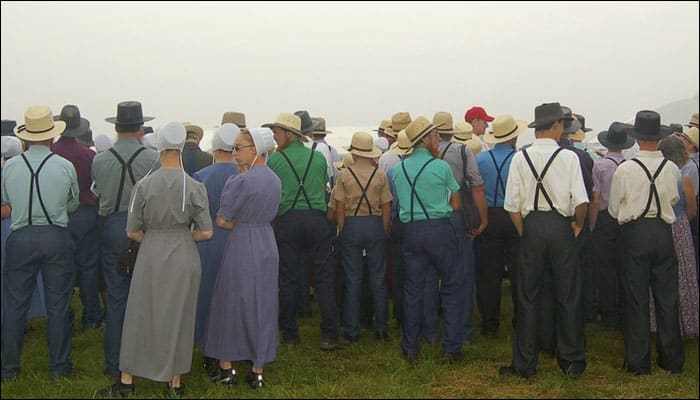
262	138
11	146
225	136
102	143
171	136
382	143
149	140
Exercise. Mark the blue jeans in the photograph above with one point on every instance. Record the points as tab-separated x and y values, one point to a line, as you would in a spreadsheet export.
469	260
430	320
433	244
364	233
34	248
84	230
114	240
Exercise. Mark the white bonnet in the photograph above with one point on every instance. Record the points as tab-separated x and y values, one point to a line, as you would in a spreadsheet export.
262	138
171	136
149	140
102	143
225	136
11	146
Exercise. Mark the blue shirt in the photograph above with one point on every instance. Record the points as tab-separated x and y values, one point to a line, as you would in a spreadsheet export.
214	178
58	182
433	187
495	194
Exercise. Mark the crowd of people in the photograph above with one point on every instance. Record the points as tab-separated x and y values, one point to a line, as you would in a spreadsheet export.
433	213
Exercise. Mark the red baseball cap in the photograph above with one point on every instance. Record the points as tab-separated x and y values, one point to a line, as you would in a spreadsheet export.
477	113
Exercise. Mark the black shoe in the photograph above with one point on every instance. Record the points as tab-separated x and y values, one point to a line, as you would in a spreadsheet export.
509	371
211	368
411	359
574	371
351	338
227	377
255	380
118	389
175	392
452	358
382	335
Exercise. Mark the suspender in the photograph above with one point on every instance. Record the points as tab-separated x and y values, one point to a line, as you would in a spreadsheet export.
652	186
499	178
35	179
126	166
364	190
413	187
540	178
301	189
613	160
444	151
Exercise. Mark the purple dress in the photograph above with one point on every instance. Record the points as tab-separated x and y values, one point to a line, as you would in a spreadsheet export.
244	305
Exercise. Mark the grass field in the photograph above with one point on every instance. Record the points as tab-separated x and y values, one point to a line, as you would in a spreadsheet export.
371	369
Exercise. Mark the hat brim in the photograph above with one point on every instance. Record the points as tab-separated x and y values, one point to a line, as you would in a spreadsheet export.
578	136
286	128
423	133
537	124
322	132
388	131
490	137
586	129
113	120
603	140
573	127
663	132
460	139
77	131
394	148
58	128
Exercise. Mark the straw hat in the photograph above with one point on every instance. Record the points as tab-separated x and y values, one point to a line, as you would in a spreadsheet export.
383	126
463	132
402	146
444	119
398	121
474	145
233	117
362	145
418	129
320	126
693	120
692	136
39	125
504	128
193	130
288	122
348	161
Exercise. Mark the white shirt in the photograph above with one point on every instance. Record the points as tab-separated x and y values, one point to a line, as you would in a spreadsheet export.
387	161
630	189
563	180
325	149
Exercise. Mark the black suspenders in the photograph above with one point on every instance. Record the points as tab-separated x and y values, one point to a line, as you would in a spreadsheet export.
364	190
413	187
126	166
653	193
444	151
613	160
499	178
540	178
35	180
301	189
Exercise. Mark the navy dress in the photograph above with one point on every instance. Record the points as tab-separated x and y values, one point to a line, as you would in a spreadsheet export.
245	299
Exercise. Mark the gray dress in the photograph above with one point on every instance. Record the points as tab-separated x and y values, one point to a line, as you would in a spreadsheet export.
158	333
244	306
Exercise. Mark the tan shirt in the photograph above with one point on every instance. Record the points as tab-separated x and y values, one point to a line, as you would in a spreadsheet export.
349	191
630	188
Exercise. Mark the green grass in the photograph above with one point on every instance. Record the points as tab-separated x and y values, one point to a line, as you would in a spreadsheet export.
370	369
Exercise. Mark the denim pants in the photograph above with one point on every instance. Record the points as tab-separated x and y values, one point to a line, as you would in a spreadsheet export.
84	229
364	233
114	240
296	231
30	249
433	244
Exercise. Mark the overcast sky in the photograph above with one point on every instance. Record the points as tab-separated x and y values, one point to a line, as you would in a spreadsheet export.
352	63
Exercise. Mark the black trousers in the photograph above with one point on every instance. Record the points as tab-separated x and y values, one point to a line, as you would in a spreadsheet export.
605	243
649	260
548	249
496	247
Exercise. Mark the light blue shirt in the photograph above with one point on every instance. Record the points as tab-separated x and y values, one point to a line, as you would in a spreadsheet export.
434	187
58	182
490	175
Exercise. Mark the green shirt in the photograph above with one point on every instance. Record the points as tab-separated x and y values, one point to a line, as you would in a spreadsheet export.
434	186
314	184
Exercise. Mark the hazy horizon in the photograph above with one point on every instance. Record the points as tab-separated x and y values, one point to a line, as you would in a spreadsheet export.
352	63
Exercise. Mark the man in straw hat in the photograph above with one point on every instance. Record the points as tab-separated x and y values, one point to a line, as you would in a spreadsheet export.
115	173
497	246
319	136
605	231
84	222
545	191
428	198
399	121
643	192
466	172
363	204
40	241
302	226
214	177
193	157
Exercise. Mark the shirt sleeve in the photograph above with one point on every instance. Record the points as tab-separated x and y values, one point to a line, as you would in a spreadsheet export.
232	197
200	203
616	193
473	173
514	185
5	196
578	192
74	195
385	195
339	189
452	184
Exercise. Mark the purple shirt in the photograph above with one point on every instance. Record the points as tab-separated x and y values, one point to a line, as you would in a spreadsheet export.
81	157
603	170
